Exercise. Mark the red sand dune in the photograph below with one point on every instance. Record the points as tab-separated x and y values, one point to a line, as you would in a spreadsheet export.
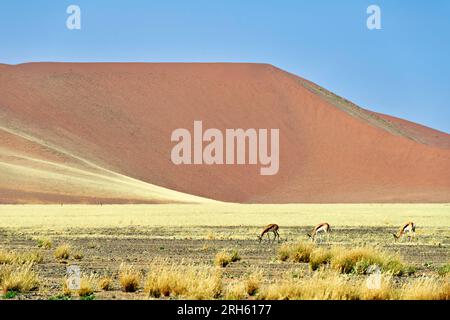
101	133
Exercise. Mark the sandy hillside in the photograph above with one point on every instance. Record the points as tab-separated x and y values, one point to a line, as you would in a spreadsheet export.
101	133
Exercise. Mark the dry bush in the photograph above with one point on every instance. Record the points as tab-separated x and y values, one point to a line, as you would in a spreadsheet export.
12	257
66	291
332	285
87	286
387	291
63	251
222	259
253	282
183	280
44	243
426	289
105	283
18	278
327	285
358	260
321	286
129	278
235	291
225	257
296	252
319	257
444	270
78	255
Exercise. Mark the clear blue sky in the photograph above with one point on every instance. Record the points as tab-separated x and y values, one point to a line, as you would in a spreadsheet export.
402	70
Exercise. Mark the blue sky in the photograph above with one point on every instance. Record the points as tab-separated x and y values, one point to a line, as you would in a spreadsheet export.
402	69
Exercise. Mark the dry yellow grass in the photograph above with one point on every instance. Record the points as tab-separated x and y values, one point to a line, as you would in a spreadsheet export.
44	243
328	285
18	278
105	283
358	260
354	260
319	257
332	285
296	252
181	280
129	278
235	290
427	288
225	257
63	251
253	282
87	286
56	217
12	257
78	255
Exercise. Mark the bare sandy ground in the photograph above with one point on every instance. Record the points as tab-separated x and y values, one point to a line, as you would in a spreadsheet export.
100	133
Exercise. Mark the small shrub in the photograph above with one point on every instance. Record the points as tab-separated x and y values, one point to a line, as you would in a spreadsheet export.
444	270
222	259
11	257
296	252
86	286
88	297
235	291
63	251
44	243
129	278
253	283
284	252
20	278
105	283
319	257
10	295
66	291
78	255
426	289
359	260
235	256
180	280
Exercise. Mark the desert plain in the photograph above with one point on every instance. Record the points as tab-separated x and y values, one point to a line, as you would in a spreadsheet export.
103	240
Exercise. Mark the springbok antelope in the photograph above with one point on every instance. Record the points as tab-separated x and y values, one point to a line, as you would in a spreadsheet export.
410	228
270	228
320	228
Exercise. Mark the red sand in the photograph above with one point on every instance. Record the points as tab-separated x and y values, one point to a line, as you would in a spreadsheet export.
120	117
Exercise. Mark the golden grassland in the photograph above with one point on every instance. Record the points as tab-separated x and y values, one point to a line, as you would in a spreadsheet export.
60	217
211	252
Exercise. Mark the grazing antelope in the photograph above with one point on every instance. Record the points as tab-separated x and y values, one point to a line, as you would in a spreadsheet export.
409	227
320	228
270	228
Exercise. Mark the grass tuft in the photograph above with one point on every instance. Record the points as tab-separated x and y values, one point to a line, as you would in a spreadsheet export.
105	283
63	251
296	252
44	243
225	257
18	278
129	278
181	280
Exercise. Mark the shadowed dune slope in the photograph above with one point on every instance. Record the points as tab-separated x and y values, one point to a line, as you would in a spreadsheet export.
89	133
